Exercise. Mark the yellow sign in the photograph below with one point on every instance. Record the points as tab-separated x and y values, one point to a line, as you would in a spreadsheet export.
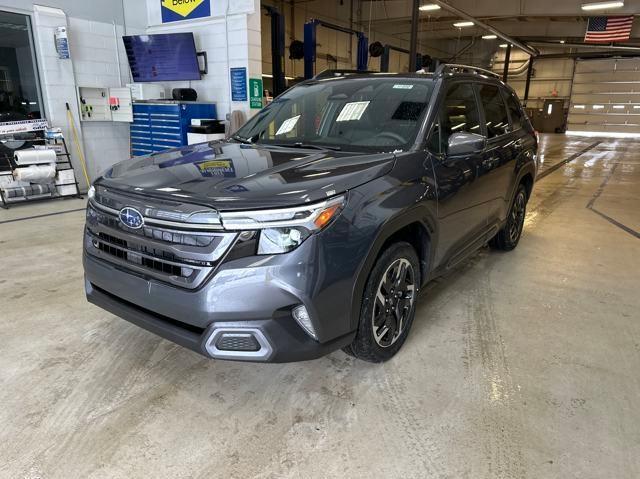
203	165
216	168
182	7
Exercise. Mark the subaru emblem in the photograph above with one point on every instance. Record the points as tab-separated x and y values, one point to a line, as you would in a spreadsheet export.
131	218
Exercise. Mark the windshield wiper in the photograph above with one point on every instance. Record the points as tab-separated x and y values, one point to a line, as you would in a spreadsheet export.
307	145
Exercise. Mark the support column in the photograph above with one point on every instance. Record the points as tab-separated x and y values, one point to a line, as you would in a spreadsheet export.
413	44
528	82
507	57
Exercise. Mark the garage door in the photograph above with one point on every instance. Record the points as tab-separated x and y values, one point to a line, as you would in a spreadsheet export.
606	96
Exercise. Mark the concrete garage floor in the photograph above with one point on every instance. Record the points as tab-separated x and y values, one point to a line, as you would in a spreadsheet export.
524	364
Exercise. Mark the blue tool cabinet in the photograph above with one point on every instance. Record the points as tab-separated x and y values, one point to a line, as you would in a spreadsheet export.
163	125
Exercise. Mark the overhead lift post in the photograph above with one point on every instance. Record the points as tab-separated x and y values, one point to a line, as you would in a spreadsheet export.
310	45
277	49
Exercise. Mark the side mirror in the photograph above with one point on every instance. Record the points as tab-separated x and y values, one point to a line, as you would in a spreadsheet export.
465	144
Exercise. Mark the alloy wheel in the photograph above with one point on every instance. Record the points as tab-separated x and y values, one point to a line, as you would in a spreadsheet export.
393	302
517	217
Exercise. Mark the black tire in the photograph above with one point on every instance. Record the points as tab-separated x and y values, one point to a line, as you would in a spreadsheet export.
509	236
400	292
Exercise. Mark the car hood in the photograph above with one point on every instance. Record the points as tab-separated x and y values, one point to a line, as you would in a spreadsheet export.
232	176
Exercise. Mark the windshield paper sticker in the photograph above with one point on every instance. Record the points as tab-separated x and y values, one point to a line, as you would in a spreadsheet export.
353	111
400	86
288	125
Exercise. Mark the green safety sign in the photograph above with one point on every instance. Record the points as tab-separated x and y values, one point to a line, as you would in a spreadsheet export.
255	92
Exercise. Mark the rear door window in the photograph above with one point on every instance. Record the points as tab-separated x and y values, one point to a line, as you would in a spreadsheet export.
495	111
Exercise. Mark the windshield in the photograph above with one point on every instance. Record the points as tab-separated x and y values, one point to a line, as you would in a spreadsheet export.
357	114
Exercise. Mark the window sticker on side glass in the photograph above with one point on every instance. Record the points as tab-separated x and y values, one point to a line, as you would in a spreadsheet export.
352	111
401	86
288	125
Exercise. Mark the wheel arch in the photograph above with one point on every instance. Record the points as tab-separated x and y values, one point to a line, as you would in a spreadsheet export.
409	227
525	174
527	180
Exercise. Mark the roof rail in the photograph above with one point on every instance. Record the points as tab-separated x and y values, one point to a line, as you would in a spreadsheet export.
455	68
339	73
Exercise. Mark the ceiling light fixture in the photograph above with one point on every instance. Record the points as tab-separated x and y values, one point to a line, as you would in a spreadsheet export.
463	24
489	37
428	7
602	5
562	41
503	45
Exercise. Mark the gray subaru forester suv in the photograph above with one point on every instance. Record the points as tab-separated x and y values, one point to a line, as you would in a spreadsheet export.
316	225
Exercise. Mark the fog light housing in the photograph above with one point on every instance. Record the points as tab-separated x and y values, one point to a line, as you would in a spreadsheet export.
301	315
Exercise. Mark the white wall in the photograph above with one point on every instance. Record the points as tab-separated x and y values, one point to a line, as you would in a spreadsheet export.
57	79
94	62
231	38
99	61
87	9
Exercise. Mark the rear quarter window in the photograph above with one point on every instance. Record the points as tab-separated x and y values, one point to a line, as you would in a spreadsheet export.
515	111
495	110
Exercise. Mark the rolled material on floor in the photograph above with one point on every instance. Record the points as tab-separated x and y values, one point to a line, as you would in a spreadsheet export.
35	173
34	156
20	192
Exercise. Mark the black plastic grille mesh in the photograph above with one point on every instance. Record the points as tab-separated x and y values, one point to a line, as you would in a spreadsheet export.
237	342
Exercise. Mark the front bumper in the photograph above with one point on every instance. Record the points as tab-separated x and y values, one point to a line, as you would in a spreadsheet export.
188	286
247	302
284	340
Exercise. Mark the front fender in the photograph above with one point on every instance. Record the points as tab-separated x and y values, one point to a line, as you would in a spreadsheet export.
384	215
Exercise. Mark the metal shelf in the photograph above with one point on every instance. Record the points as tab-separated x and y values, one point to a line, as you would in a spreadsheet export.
7	159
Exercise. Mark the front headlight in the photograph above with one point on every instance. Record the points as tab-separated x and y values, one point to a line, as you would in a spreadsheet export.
283	230
281	240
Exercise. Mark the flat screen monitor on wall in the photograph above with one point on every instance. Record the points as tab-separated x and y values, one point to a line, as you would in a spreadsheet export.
162	57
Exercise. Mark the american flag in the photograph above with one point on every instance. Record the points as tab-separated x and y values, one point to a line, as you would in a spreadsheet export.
609	29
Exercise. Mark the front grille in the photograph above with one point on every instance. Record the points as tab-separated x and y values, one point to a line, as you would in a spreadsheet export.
118	253
112	239
181	258
167	236
118	247
166	268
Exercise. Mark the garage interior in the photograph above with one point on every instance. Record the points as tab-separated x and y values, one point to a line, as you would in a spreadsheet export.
520	364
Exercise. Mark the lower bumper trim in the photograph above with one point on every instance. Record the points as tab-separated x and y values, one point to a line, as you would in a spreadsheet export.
281	339
179	333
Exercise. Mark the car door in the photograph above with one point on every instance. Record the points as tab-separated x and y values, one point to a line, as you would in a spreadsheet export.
498	162
462	212
524	144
